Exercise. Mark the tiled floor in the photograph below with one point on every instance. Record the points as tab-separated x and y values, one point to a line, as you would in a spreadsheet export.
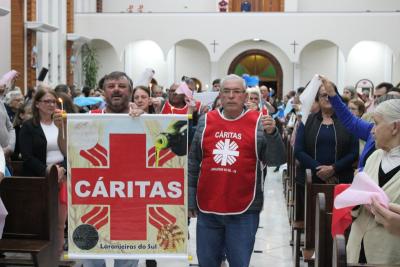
272	237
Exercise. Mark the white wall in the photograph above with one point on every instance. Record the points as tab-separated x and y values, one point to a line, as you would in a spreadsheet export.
290	5
5	43
319	57
192	60
396	71
234	51
85	6
108	59
369	60
145	54
348	5
161	5
171	67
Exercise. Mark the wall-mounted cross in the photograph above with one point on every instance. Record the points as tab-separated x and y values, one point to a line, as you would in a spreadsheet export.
294	46
214	44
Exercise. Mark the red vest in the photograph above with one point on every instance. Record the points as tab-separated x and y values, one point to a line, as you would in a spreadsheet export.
228	174
264	111
169	109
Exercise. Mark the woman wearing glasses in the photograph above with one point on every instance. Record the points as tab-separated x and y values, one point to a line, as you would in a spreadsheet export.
325	146
42	145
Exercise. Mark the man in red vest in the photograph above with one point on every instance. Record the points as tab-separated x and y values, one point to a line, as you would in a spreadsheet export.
178	104
226	178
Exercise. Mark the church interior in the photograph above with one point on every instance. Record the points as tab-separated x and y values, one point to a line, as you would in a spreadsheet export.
283	42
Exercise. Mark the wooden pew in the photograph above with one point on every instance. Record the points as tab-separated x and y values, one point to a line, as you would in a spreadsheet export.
17	167
311	191
298	223
290	183
286	173
31	223
323	238
339	255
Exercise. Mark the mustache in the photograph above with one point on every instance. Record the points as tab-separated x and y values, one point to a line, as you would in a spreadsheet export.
116	95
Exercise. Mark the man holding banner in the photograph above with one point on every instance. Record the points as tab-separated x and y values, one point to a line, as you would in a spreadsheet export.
118	89
127	182
225	175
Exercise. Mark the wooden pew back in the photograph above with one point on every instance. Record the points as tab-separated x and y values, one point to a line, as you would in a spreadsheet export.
323	239
31	223
17	167
311	192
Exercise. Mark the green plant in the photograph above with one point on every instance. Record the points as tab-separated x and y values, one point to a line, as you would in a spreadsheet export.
90	65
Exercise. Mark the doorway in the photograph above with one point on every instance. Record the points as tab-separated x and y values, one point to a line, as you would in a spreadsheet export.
256	62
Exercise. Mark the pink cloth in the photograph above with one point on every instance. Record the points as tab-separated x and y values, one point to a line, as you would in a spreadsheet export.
184	89
8	77
362	191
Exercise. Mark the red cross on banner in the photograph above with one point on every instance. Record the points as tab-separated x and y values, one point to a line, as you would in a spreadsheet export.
129	186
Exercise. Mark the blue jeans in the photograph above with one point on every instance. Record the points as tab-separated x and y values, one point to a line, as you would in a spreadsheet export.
117	263
233	234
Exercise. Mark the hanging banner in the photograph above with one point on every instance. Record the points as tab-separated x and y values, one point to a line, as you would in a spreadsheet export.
127	186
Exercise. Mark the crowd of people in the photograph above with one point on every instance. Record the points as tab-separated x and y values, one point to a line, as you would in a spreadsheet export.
344	133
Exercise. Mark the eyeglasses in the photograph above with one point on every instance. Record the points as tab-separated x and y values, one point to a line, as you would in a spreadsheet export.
232	91
48	102
326	96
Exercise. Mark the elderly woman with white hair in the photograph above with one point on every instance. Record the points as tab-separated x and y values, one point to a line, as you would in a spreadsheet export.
254	100
369	241
13	101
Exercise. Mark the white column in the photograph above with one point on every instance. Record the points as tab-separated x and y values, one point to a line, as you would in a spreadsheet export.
214	72
88	6
92	6
388	64
128	59
341	71
54	43
42	39
85	6
78	6
296	77
78	80
5	33
171	66
62	40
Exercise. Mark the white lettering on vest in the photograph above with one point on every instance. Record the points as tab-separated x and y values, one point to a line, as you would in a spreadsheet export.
222	134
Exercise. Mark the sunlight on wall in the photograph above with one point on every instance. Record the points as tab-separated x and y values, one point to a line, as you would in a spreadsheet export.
145	54
319	57
369	60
